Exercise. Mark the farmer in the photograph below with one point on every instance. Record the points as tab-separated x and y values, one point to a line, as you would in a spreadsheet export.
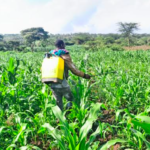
63	89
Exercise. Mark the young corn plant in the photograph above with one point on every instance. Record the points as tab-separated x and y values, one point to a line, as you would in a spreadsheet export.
67	136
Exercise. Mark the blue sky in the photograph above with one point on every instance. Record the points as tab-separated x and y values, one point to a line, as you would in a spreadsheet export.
70	16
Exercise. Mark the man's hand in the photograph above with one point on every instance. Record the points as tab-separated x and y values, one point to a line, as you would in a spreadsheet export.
86	76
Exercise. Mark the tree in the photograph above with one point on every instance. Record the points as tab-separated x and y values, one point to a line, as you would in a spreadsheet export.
81	38
109	40
2	46
127	29
14	44
1	37
2	43
33	34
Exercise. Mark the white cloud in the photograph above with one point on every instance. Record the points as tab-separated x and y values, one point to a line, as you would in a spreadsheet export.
55	15
16	15
112	11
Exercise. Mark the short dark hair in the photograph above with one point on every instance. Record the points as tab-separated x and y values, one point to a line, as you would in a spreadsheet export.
60	44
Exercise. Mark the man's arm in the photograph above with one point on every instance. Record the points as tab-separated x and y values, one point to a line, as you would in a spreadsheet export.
72	67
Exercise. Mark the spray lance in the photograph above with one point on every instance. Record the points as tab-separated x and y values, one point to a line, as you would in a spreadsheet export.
113	72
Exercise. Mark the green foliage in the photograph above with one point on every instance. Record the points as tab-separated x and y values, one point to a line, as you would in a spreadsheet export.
95	45
112	108
38	40
81	38
2	46
127	29
109	40
74	142
14	44
1	37
33	34
116	48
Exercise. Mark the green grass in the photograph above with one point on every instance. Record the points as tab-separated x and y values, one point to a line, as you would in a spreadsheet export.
115	105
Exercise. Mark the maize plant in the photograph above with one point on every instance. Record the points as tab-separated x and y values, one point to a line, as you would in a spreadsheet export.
111	111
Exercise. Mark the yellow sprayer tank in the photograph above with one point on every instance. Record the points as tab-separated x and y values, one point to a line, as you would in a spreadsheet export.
52	69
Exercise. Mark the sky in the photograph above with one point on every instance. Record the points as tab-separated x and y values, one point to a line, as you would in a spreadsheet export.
72	16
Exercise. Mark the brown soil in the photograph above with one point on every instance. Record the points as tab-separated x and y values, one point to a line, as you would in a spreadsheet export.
142	47
115	147
103	141
108	138
108	116
40	144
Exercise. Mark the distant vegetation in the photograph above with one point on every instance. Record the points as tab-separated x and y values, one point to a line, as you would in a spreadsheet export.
37	39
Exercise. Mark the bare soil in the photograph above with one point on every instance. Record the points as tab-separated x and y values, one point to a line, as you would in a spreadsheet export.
40	143
115	147
142	47
108	116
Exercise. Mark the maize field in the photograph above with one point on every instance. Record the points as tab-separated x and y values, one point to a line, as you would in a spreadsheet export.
110	111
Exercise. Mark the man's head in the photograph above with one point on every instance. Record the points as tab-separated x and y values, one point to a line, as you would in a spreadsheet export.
60	44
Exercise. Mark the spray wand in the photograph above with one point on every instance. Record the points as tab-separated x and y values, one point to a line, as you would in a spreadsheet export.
104	73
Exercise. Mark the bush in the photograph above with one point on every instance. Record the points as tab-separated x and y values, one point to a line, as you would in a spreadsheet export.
2	46
117	48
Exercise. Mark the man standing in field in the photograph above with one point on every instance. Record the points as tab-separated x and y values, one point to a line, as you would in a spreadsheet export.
61	90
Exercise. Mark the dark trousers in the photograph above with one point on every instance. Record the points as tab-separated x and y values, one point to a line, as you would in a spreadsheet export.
59	93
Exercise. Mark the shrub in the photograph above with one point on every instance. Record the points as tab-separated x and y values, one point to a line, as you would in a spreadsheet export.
117	48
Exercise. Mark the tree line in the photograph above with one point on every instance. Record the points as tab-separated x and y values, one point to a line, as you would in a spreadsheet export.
37	39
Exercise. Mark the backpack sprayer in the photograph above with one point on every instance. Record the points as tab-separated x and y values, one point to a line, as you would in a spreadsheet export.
52	69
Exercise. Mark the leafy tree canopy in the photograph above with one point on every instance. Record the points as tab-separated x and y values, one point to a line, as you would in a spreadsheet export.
127	29
1	37
33	34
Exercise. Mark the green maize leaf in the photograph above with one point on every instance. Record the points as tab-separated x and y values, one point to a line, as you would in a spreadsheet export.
29	147
95	108
94	146
118	113
83	144
148	109
72	127
143	125
17	118
11	65
92	137
140	135
88	90
92	117
111	143
88	125
1	129
85	129
145	119
77	147
10	147
58	113
127	111
55	134
23	127
68	136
